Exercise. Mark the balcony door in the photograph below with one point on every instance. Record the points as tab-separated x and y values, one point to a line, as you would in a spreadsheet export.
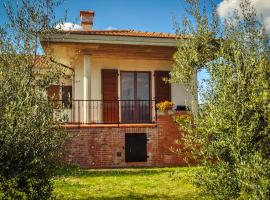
135	97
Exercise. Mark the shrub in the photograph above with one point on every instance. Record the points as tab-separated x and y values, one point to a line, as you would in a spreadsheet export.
229	135
31	142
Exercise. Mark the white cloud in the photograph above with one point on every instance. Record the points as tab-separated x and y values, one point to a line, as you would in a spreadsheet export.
67	26
227	7
111	28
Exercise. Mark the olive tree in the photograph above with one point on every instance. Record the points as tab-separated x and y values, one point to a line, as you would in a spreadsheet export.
229	135
31	141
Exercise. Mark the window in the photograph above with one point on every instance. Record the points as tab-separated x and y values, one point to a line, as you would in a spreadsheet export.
53	93
67	96
135	97
65	92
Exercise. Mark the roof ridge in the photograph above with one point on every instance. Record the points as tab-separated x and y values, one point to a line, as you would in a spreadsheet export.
119	30
114	30
125	32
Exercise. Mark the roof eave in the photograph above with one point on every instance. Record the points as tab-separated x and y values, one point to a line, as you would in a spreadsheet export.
101	39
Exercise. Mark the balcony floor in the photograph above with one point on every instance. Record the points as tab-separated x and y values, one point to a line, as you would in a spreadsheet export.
71	126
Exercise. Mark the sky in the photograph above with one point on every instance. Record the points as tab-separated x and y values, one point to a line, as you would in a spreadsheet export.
143	15
148	15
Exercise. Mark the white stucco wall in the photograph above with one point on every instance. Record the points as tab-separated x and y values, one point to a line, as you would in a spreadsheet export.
69	56
73	57
179	94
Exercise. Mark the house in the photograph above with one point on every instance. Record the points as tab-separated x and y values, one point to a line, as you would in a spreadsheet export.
117	77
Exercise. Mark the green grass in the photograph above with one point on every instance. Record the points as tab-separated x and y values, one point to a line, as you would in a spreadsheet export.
114	184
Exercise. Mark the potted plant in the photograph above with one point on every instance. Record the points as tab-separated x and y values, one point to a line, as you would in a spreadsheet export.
165	106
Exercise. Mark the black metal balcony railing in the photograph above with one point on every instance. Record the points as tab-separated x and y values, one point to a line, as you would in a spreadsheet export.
107	111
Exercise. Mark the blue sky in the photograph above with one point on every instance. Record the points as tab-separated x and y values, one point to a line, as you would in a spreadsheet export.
150	15
144	15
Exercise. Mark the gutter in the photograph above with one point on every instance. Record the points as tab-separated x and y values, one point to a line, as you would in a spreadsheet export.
107	39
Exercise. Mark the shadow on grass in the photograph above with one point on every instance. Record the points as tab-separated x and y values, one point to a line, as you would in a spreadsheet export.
99	190
139	196
80	173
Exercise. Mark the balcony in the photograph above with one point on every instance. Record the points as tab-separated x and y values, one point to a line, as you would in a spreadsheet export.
110	112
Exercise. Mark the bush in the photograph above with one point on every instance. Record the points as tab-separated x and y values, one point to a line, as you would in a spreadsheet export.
31	142
229	135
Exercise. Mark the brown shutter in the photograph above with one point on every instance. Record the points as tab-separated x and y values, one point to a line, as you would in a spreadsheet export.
54	92
109	84
162	88
110	95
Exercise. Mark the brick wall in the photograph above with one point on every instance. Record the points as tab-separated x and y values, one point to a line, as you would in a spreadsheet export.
104	147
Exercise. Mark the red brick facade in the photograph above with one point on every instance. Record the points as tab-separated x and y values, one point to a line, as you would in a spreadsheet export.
104	147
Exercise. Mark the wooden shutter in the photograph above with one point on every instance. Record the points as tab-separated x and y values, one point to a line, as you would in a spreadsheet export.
110	95
162	88
54	92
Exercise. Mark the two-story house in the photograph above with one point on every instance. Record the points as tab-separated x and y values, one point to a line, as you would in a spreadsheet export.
117	77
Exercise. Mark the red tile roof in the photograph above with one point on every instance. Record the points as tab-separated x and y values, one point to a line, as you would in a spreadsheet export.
131	33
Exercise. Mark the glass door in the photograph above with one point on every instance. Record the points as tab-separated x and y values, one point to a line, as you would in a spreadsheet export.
142	103
135	97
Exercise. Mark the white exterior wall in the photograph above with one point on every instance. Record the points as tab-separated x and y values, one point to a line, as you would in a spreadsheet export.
76	60
78	88
66	55
179	94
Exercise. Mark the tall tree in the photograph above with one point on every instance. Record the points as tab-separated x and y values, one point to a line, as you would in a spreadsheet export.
230	134
30	139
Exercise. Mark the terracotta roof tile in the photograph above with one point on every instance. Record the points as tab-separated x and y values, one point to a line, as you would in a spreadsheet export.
131	33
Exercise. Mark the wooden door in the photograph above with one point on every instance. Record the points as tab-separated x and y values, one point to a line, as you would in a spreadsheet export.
135	147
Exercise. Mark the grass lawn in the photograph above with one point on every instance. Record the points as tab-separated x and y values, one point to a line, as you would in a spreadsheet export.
143	183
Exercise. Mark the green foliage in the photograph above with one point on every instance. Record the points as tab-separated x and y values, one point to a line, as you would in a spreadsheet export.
229	135
197	49
30	140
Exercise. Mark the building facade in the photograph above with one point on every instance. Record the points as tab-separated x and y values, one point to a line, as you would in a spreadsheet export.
116	79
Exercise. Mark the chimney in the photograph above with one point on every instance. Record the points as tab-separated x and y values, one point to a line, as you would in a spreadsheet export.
87	19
